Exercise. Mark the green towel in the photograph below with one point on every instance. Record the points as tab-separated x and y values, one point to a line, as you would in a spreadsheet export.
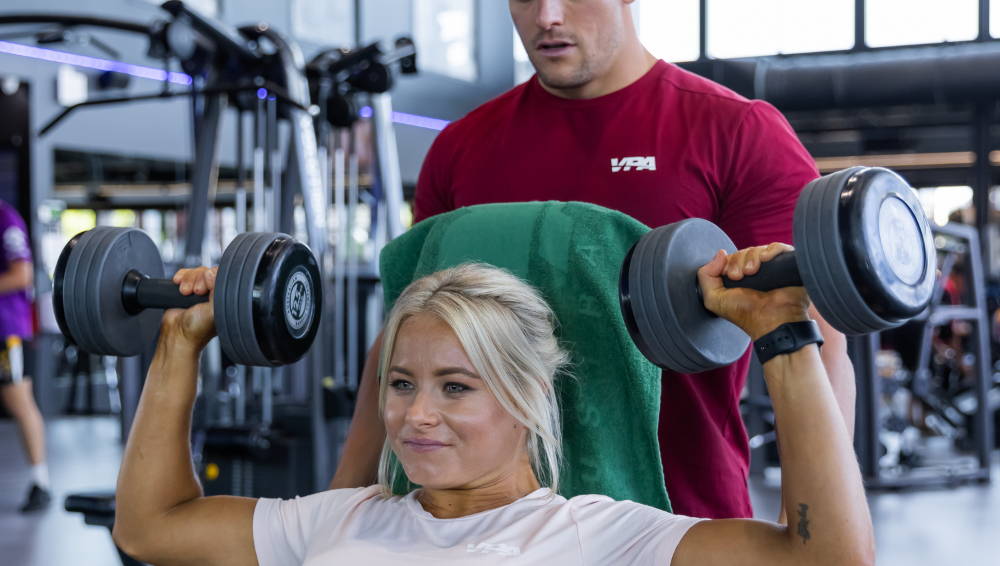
572	252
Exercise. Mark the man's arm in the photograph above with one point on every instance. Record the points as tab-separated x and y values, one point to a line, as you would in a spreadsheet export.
18	277
358	466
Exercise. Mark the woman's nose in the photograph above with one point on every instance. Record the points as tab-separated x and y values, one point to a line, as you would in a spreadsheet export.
422	410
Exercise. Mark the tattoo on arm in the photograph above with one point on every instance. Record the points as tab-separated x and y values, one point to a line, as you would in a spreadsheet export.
804	523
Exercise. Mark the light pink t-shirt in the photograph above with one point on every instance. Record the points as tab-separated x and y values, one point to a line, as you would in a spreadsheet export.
358	526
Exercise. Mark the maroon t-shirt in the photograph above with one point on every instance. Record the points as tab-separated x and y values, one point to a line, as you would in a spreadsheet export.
670	146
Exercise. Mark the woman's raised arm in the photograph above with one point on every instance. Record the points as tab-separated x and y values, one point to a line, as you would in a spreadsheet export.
828	518
161	515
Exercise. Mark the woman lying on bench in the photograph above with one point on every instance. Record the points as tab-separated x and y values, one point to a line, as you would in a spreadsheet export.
468	399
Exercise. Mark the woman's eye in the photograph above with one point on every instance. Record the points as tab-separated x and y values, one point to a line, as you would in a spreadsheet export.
456	388
401	385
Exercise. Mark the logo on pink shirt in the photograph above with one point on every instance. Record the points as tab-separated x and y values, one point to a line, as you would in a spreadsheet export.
489	548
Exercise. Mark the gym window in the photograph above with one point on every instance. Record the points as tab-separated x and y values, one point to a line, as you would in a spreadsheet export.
908	22
444	32
750	28
323	21
669	30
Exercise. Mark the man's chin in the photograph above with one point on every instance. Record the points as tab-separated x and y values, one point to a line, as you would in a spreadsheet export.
565	80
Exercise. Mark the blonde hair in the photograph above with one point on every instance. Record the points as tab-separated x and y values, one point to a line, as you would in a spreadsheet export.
508	333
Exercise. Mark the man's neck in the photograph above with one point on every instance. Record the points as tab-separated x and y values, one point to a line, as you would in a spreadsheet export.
629	67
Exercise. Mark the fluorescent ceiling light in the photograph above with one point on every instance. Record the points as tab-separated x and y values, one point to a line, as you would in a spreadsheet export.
97	63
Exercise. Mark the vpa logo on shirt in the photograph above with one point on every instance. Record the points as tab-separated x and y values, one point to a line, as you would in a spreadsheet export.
633	163
490	548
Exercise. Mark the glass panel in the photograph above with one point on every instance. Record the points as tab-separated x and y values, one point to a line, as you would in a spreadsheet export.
327	22
906	22
669	28
749	28
444	33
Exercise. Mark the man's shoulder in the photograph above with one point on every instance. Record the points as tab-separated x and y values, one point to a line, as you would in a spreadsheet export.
709	102
693	85
488	113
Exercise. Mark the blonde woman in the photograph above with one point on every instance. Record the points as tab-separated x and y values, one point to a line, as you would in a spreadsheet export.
467	397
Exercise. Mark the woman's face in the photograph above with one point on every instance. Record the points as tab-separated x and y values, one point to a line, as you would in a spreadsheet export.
447	429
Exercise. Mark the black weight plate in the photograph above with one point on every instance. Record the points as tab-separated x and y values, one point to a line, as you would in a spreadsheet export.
661	299
79	300
92	288
888	242
57	286
225	305
94	270
70	290
821	259
287	300
250	319
126	334
236	275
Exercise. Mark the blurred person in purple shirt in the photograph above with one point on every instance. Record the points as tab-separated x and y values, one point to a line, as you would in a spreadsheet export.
16	326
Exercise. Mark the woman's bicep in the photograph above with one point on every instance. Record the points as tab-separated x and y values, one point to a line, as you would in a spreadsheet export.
208	530
734	542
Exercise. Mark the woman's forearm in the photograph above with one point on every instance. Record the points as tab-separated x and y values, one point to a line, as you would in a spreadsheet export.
828	517
157	472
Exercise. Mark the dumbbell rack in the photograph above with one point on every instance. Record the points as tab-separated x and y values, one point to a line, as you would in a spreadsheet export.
863	350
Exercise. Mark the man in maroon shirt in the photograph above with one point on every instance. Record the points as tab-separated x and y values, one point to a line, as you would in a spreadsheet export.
604	122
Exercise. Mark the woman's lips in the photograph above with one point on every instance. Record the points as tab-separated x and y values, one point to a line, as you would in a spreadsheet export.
423	445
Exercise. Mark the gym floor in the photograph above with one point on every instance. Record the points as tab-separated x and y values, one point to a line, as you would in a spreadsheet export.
943	526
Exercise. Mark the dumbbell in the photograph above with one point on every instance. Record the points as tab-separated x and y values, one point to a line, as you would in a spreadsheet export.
110	288
863	251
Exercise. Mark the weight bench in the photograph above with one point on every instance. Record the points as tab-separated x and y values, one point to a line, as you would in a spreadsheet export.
98	508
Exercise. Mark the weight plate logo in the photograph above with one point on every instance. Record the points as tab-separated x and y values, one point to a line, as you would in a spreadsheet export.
298	303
